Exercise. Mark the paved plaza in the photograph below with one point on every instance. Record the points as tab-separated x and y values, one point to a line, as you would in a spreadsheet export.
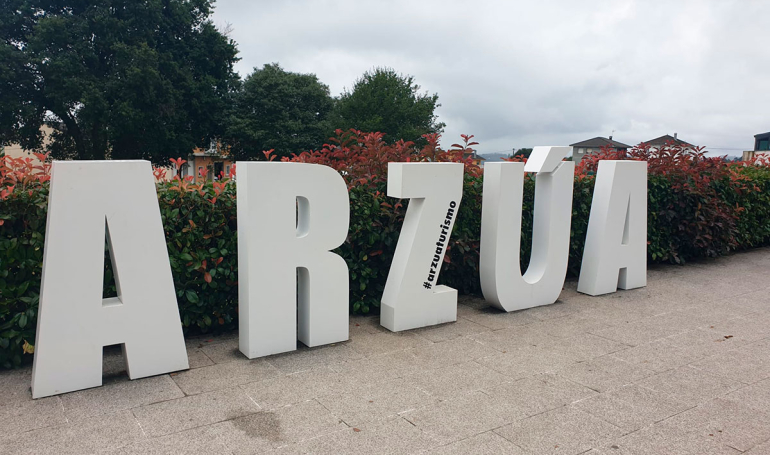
679	367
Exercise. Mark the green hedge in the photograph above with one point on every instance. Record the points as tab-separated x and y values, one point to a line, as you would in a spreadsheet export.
201	236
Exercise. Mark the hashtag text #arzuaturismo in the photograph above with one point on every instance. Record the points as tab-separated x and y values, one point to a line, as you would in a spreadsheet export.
440	245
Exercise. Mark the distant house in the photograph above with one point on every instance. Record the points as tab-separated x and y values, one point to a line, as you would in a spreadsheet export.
581	149
668	139
761	147
207	164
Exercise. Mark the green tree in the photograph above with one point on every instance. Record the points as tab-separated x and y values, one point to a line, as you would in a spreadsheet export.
385	101
280	110
114	78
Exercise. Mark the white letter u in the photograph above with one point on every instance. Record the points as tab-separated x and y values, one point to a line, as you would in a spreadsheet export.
502	282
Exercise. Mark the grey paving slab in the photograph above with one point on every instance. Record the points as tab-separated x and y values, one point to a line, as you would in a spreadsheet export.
489	443
173	416
754	396
268	430
681	366
585	346
605	373
678	290
611	313
528	361
118	396
690	385
197	358
744	365
386	342
364	324
27	415
718	286
705	342
380	367
460	418
113	363
89	436
305	358
638	332
556	310
661	438
15	386
569	326
538	394
514	337
564	430
659	355
223	375
294	388
226	351
445	353
760	449
751	302
646	305
748	328
377	401
395	436
449	382
200	341
477	310
451	330
679	321
198	441
631	407
727	422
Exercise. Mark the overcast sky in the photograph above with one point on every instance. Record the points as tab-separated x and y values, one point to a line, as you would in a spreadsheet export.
520	74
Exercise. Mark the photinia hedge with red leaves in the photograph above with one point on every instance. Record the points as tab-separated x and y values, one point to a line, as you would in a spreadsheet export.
698	207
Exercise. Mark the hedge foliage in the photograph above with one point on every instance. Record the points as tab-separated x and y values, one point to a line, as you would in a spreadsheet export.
698	207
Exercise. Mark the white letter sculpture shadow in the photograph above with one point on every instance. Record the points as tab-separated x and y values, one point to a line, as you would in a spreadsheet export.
501	280
615	254
75	322
411	298
290	285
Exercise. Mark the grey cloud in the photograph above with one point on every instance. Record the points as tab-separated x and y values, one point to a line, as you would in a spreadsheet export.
519	74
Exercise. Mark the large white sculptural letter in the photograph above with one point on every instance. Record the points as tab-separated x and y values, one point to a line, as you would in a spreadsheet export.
411	298
615	254
75	322
290	285
501	279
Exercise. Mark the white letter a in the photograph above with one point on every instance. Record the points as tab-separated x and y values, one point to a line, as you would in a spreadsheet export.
74	321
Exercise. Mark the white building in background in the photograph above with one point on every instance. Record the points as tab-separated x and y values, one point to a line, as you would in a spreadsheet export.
16	150
761	148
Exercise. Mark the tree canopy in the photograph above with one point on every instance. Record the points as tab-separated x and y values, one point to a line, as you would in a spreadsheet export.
280	110
385	101
114	78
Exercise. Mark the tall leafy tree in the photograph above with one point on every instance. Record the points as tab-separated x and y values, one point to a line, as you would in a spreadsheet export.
280	110
114	78
385	101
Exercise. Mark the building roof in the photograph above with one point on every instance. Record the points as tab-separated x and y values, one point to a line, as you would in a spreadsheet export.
666	138
600	142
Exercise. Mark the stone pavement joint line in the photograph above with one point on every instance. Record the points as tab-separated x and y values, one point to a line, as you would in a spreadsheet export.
681	366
